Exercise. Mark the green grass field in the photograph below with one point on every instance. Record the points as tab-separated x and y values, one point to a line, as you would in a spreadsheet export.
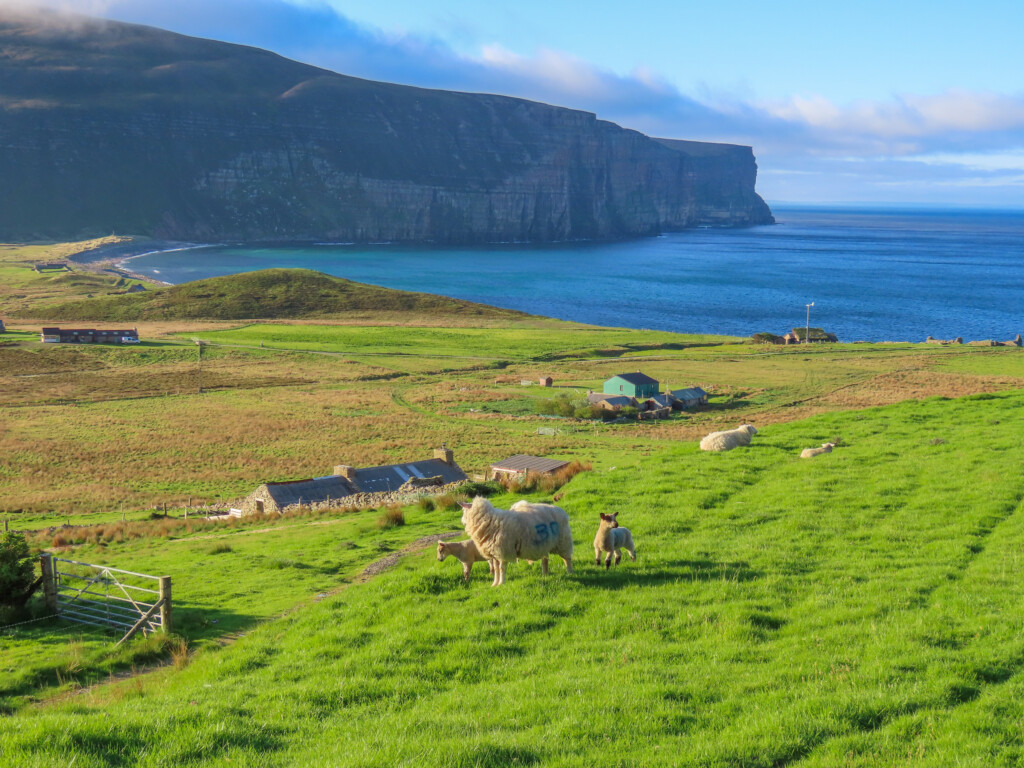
482	343
861	608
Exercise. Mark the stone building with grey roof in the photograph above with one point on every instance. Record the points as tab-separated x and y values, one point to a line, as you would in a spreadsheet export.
413	477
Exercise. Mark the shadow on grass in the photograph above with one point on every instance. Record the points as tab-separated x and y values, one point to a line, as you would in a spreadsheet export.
82	654
623	575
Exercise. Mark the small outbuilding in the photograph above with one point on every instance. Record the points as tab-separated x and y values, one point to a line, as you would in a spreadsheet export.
611	402
631	384
545	381
685	399
520	464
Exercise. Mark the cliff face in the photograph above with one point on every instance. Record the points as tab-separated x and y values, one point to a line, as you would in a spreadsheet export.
114	127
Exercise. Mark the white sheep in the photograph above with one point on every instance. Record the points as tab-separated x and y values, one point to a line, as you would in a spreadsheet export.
729	439
503	536
465	552
810	453
612	539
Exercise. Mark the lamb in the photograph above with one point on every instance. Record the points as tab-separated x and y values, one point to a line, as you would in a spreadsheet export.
729	439
464	551
810	453
612	539
503	535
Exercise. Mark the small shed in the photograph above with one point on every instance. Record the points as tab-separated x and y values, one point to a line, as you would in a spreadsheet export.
694	397
657	402
520	464
631	384
611	402
545	381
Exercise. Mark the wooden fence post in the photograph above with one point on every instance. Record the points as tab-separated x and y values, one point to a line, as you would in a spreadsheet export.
49	581
165	609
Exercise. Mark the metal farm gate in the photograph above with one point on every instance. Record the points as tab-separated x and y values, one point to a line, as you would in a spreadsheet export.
107	597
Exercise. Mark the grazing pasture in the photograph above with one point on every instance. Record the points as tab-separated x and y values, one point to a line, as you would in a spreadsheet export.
862	609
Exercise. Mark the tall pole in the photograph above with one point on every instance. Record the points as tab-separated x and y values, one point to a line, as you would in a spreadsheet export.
807	330
199	366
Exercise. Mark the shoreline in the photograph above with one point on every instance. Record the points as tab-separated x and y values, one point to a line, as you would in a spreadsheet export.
114	258
121	264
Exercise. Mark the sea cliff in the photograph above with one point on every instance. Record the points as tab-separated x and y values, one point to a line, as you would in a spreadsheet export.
111	127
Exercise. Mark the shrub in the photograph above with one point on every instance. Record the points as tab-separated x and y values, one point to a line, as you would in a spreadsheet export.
629	411
391	517
489	488
17	575
558	406
220	549
767	338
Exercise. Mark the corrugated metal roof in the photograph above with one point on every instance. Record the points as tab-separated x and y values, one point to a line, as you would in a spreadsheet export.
390	477
663	401
636	378
523	463
693	393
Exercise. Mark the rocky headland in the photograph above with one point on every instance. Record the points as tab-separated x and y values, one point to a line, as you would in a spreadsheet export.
110	127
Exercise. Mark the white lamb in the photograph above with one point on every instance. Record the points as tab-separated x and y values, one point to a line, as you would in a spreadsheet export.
612	539
729	439
810	453
465	552
503	535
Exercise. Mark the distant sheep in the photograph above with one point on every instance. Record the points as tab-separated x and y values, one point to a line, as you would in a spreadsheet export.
612	539
503	535
810	453
464	551
729	439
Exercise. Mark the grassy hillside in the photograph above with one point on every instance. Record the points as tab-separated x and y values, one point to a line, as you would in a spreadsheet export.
266	294
862	608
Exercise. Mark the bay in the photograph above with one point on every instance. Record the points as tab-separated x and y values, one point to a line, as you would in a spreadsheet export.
873	274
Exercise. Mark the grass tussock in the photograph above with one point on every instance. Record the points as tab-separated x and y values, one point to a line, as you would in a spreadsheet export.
392	516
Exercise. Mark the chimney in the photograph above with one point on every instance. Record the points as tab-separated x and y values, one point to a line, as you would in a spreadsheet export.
444	453
349	473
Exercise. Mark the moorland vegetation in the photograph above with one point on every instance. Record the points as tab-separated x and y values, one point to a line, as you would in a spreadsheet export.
859	609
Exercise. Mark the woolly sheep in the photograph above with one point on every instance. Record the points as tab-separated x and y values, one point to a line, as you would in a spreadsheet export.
464	551
810	453
729	439
503	535
612	539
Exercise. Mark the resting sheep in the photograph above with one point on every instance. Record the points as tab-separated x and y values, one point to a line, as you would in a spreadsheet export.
465	552
729	439
810	453
612	539
531	532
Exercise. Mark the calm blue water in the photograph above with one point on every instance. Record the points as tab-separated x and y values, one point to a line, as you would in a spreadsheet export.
872	274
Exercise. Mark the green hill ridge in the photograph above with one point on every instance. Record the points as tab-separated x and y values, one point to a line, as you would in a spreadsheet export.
265	294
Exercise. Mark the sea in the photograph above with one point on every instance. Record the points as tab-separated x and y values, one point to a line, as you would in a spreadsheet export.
869	274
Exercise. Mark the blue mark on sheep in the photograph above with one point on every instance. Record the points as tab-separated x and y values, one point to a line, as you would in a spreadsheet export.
542	533
545	531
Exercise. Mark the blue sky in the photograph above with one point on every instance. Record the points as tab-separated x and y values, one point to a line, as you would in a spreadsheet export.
869	101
